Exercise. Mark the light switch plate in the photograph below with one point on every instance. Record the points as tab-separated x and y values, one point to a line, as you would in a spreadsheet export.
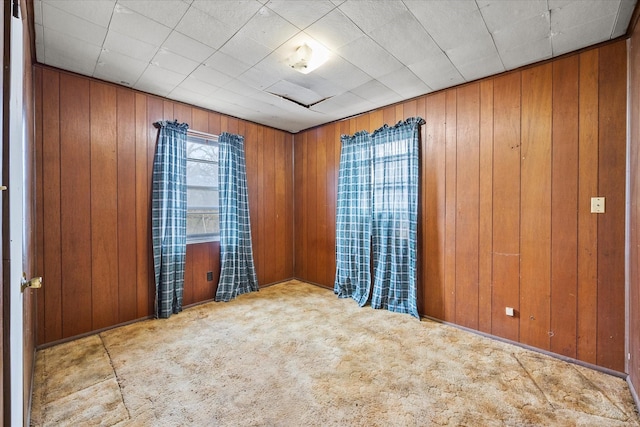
597	205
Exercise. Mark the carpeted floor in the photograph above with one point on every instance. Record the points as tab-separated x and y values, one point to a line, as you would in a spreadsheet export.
294	354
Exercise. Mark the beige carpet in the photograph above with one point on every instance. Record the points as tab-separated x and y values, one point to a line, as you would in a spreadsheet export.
294	354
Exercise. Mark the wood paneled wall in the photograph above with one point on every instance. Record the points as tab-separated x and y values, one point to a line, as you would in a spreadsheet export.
509	165
95	147
634	218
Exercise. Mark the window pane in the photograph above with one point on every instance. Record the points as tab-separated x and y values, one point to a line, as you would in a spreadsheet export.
198	198
203	223
200	173
202	151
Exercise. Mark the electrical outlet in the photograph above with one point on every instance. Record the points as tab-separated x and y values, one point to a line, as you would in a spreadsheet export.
209	276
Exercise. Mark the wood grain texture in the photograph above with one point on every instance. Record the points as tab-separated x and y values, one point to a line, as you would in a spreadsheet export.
611	225
535	206
104	205
587	222
75	205
450	207
485	209
434	206
467	205
633	367
506	206
94	160
126	194
564	207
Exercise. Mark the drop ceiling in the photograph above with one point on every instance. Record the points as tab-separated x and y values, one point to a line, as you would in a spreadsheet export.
231	56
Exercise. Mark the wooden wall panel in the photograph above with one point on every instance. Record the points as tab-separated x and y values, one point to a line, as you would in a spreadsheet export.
506	207
104	205
433	206
467	206
75	205
51	249
509	165
126	194
95	156
633	367
587	222
611	225
564	207
535	206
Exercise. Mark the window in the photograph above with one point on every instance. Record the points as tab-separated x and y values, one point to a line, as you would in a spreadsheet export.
203	220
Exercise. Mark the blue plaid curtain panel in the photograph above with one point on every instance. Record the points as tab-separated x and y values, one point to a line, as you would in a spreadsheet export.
237	271
378	208
353	219
169	216
395	216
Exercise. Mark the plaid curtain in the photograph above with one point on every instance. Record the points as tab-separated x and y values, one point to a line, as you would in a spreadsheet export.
237	271
395	214
353	219
169	216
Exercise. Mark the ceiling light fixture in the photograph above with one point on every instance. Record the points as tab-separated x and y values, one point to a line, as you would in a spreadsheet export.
307	58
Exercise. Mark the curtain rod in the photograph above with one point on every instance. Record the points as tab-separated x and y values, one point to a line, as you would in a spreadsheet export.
205	135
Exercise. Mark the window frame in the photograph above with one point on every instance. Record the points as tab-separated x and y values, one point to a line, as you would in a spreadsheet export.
209	139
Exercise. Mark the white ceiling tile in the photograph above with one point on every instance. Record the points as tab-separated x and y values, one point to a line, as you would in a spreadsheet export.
342	73
371	14
592	32
73	26
295	92
258	78
405	83
126	45
136	26
119	68
623	18
376	93
174	62
37	12
416	43
334	30
233	13
39	30
580	12
449	23
625	12
185	95
523	32
69	53
367	55
158	80
187	47
301	13
195	85
96	11
268	29
210	75
482	47
534	51
204	28
166	12
497	16
437	72
481	67
227	64
245	49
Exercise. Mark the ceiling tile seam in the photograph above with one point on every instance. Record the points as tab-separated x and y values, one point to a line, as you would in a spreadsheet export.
436	43
150	63
302	29
491	35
